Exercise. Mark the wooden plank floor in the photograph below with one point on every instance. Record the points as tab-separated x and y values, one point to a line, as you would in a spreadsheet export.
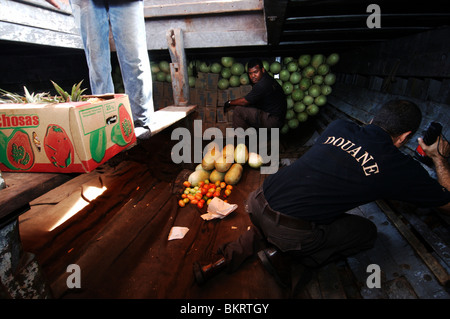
120	240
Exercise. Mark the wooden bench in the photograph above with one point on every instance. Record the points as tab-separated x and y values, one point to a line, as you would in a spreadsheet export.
168	116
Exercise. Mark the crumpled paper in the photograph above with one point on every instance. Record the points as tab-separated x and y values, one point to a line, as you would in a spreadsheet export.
177	232
217	208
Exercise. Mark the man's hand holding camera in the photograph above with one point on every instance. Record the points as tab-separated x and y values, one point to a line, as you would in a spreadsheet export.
439	150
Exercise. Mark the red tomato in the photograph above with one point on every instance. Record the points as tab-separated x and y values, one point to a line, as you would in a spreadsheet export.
186	184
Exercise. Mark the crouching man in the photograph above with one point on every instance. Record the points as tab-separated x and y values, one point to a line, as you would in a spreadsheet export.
300	211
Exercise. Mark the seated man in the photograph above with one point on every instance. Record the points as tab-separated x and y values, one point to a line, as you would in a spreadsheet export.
300	211
264	106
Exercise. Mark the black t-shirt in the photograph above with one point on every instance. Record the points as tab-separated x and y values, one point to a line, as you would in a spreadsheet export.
349	166
268	96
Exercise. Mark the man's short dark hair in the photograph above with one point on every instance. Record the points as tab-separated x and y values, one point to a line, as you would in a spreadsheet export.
398	116
254	62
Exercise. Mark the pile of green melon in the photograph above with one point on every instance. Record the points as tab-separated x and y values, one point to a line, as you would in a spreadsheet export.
231	73
306	80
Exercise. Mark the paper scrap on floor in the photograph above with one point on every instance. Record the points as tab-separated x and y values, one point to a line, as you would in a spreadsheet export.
177	232
217	208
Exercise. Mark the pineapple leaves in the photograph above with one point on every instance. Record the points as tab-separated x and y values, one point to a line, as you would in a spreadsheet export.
64	95
76	92
74	96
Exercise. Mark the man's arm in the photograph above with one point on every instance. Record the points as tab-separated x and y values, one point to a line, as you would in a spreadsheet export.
239	102
440	160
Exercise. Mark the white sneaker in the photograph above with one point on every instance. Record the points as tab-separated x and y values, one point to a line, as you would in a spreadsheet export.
142	133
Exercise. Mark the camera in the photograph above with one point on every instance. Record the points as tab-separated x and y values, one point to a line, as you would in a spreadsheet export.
429	137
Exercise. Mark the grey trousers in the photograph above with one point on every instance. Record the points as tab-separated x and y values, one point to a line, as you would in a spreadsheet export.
313	246
246	116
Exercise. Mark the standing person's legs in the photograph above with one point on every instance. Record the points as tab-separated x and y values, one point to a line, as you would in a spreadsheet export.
91	18
128	28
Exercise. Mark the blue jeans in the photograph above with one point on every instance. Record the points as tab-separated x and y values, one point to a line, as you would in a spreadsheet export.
93	18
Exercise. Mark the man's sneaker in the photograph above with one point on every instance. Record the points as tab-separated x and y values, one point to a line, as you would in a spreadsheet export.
206	272
142	132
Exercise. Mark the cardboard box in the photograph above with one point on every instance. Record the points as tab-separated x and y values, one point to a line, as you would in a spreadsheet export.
158	89
206	98
234	93
245	89
211	98
167	90
222	97
221	115
201	113
71	137
207	81
200	98
210	114
223	128
230	115
193	99
158	102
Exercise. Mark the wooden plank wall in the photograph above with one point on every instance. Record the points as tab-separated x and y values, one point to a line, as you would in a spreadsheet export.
38	22
415	68
39	43
205	24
